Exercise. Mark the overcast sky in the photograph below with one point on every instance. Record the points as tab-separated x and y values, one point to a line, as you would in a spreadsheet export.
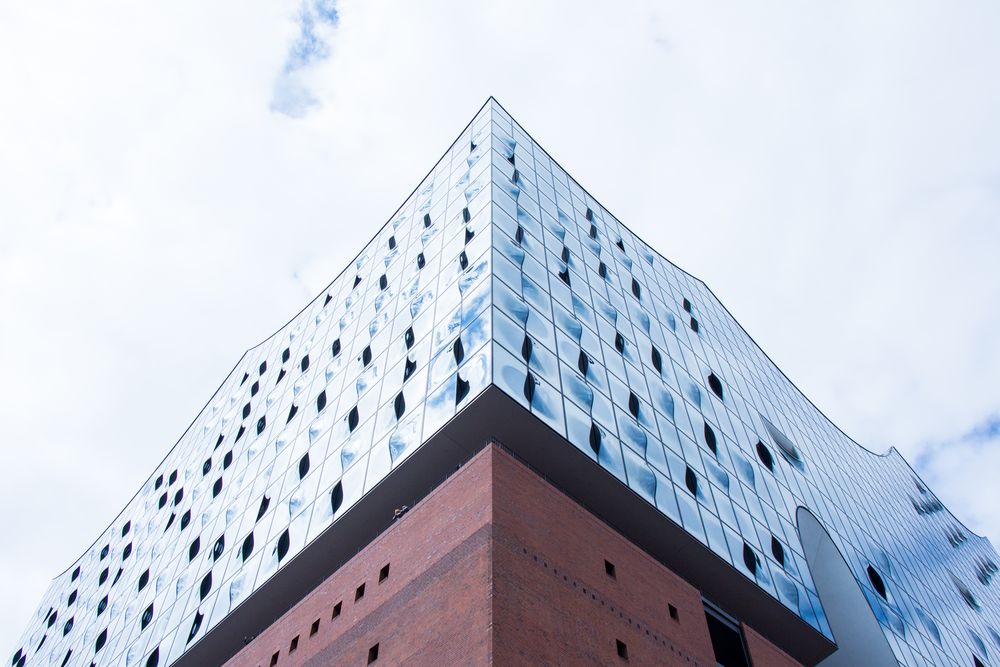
178	178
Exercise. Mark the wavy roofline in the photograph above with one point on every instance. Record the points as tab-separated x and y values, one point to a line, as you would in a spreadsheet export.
885	455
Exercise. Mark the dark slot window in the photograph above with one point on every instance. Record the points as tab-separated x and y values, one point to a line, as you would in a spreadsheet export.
246	411
154	658
657	360
185	519
254	388
304	364
366	355
877	583
76	573
194	548
750	558
619	343
291	412
227	460
246	376
399	405
206	466
159	482
336	609
673	612
294	644
352	419
687	305
427	219
247	547
321	401
694	325
262	368
217	488
286	355
206	585
595	438
335	348
173	478
143	580
727	641
609	569
220	546
281	549
315	628
764	454
274	658
691	481
715	384
383	574
261	423
126	528
710	439
633	404
383	282
622	649
147	616
359	593
373	654
636	289
264	503
304	465
777	551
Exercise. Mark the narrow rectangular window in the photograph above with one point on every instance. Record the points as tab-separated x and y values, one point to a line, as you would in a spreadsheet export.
315	628
336	609
274	658
383	574
294	645
673	612
373	654
622	649
609	569
360	593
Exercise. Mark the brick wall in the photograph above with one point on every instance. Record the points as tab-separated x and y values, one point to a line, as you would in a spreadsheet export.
496	566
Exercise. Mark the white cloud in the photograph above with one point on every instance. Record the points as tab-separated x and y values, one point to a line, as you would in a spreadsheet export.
171	191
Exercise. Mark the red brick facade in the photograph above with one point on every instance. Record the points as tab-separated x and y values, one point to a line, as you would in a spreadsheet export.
496	566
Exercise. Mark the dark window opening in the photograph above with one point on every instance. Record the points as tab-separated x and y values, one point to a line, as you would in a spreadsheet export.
602	270
357	281
147	616
373	654
622	649
565	254
715	384
590	215
262	368
619	343
261	423
294	644
519	235
583	363
777	551
227	460
427	219
304	465
185	519
206	466
383	574
352	419
694	325
76	573
154	658
657	360
687	305
727	641
750	558
321	401
159	482
178	496
194	548
219	441
315	628
286	355
466	216
458	350
100	580
170	521
72	596
366	355
409	338
383	282
421	261
291	412
764	454
206	585
636	289
468	235
462	389
672	610
976	662
264	503
274	658
304	364
633	404
691	481
463	260
143	580
254	388
359	593
163	501
335	348
126	528
220	546
609	569
710	439
399	405
336	609
246	411
69	652
529	387
337	497
173	478
595	438
281	549
217	488
281	374
246	376
877	583
564	275
409	368
247	547
392	243
593	231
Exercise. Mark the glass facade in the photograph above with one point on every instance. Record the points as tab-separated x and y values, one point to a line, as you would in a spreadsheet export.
500	269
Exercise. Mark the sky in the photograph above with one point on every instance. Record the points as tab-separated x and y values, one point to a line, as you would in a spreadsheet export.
178	179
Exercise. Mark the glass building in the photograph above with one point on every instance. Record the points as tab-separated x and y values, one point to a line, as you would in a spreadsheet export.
502	303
